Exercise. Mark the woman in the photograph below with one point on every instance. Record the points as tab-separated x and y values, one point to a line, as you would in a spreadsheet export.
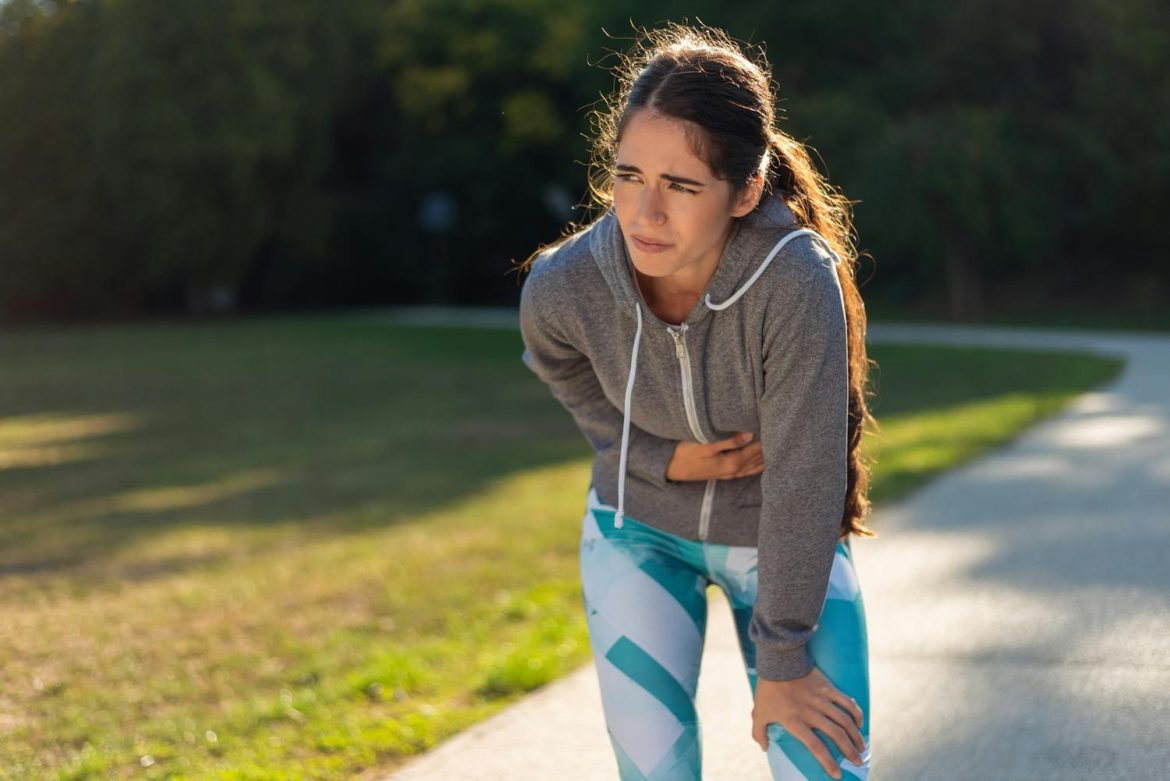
713	303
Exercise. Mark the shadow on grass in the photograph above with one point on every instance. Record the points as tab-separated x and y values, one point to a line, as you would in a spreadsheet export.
316	425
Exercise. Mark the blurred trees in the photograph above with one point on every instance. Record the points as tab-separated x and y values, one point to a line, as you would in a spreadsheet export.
204	154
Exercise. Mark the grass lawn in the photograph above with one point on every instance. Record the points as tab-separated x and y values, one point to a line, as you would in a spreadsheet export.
1097	316
305	547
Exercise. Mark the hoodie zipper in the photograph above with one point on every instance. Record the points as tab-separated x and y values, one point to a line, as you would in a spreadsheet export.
684	360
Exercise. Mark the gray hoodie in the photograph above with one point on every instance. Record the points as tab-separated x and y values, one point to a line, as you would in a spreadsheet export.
763	350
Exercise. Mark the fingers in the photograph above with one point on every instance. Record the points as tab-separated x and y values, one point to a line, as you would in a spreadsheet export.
753	467
720	460
846	712
841	719
731	443
735	457
850	706
744	462
745	473
813	743
817	748
843	736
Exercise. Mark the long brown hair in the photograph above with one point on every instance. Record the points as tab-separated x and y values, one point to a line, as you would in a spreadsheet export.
724	94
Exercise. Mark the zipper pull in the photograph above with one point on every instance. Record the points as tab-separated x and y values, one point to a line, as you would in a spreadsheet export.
678	348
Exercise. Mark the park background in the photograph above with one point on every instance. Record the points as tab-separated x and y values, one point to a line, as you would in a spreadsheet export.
251	527
200	155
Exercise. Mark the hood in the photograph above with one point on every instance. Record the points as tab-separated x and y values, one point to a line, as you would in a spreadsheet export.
740	265
742	255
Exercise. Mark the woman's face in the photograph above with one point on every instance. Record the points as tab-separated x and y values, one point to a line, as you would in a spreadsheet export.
674	214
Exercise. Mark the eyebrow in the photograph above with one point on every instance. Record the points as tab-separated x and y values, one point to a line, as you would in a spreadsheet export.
669	177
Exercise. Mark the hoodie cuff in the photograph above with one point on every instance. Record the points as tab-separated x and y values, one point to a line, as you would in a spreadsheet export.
782	664
653	456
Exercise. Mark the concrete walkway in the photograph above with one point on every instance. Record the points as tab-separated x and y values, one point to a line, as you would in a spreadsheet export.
1018	610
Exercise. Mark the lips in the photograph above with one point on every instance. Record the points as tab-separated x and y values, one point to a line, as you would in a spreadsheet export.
649	245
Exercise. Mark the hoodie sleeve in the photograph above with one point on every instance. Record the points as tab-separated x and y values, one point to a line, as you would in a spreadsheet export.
570	376
804	431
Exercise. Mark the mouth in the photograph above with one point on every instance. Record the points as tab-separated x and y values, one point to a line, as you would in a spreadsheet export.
647	245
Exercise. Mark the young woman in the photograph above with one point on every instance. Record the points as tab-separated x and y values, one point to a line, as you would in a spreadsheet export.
707	335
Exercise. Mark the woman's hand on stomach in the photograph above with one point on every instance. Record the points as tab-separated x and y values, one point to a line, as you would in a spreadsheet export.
723	460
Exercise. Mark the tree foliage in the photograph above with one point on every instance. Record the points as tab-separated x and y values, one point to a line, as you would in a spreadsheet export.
195	153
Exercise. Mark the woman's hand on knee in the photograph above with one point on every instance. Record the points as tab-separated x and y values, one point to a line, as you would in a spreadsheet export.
723	460
802	704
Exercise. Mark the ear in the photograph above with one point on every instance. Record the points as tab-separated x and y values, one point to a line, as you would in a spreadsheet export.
749	197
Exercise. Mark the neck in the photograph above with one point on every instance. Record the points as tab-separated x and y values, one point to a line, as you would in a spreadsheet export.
673	296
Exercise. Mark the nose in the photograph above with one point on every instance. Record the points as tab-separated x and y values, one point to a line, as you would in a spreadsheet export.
650	207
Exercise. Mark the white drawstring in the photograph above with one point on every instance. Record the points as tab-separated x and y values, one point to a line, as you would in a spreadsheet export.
789	237
617	518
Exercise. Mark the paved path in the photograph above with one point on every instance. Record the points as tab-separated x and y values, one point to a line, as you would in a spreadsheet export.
1018	609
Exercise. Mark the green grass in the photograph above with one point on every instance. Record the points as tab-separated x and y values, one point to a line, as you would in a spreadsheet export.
938	407
1100	316
308	547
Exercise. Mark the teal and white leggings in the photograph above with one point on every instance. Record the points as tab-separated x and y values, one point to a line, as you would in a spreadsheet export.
645	596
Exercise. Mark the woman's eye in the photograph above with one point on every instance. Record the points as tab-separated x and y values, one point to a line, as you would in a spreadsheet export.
673	185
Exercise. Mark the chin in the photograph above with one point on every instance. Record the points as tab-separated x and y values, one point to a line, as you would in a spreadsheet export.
652	267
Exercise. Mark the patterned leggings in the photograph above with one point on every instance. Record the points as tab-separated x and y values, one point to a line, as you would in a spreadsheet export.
645	597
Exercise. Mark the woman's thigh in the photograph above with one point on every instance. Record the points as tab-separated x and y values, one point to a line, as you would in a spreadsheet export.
838	648
646	609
